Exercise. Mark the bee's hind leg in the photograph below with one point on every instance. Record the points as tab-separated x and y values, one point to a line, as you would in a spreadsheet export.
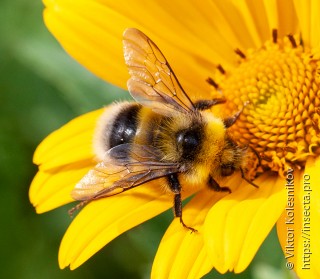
175	187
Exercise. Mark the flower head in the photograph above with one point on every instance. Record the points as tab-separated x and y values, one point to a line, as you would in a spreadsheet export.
280	81
264	54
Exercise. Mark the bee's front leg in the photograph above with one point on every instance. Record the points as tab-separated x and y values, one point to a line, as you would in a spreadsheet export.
248	180
175	187
229	121
207	104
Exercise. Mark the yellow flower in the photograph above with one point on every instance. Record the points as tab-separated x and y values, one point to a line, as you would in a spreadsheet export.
266	52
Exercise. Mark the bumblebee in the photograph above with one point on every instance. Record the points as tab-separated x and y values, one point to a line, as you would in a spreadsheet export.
164	134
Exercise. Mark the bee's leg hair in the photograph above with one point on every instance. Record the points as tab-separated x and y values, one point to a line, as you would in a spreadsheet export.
175	187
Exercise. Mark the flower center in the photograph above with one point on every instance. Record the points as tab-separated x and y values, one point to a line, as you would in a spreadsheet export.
281	122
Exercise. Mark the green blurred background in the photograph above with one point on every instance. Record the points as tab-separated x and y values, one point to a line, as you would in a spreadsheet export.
41	88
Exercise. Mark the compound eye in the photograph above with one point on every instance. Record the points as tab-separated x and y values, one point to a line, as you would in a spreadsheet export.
188	141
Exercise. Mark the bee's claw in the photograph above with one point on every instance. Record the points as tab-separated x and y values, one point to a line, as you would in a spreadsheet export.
187	227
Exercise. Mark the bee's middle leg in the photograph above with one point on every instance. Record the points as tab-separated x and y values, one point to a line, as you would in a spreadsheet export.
229	121
175	187
216	187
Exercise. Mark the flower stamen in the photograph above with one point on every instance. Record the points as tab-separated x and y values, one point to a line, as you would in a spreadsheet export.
292	41
274	36
221	69
212	82
240	53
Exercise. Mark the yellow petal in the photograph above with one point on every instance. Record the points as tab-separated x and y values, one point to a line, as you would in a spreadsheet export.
79	26
64	157
254	18
308	14
103	220
253	21
236	226
208	33
299	225
182	254
51	189
69	144
281	16
82	29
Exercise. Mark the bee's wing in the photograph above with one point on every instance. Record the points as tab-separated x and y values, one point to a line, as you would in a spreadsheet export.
152	83
124	167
